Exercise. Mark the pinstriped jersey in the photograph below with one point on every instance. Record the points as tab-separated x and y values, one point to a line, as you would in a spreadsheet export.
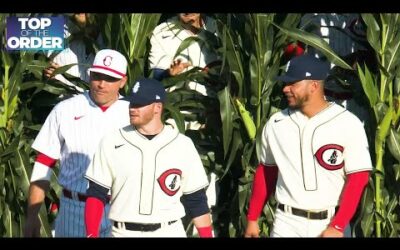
147	177
314	155
72	132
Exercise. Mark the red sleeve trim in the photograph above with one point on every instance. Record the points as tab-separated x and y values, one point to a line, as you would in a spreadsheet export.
93	212
263	186
205	232
350	198
45	160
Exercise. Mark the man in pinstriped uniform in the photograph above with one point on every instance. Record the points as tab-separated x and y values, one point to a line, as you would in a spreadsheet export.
71	134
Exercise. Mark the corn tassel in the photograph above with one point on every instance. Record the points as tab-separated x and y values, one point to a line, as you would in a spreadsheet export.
247	120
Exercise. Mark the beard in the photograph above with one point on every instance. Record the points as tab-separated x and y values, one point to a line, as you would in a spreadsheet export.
297	102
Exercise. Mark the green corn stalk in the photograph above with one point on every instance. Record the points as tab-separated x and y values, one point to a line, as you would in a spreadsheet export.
383	34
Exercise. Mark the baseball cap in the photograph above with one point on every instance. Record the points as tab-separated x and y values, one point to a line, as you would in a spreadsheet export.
305	67
146	91
109	62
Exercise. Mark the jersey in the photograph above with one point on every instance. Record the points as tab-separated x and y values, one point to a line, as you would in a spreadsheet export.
72	132
147	177
340	31
314	155
166	39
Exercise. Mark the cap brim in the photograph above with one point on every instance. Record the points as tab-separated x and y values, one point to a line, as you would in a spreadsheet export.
105	72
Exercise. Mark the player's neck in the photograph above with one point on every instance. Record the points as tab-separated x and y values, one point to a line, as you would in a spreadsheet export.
152	128
315	107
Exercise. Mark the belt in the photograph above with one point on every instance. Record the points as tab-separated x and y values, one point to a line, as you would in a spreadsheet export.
141	227
321	215
68	194
80	197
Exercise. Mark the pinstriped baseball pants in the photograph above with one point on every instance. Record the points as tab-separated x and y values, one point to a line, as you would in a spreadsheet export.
70	221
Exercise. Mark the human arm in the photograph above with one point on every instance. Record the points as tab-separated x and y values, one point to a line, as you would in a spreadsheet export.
94	208
264	185
196	207
350	197
62	60
37	193
40	182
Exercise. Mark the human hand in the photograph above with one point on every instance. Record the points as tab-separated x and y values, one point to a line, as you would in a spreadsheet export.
252	230
177	67
331	232
48	72
32	227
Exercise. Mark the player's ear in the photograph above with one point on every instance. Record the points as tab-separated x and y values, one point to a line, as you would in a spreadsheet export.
315	85
123	82
158	107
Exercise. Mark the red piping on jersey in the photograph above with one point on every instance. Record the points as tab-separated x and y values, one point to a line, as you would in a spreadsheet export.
263	186
111	70
45	160
351	195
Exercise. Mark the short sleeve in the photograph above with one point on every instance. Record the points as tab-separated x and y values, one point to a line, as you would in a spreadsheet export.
49	140
266	157
356	152
99	170
194	178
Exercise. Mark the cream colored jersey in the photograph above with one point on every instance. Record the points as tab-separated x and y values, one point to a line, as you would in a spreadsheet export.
147	177
167	38
314	155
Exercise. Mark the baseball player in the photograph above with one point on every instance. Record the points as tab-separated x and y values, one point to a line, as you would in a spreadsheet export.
154	174
165	60
71	134
316	155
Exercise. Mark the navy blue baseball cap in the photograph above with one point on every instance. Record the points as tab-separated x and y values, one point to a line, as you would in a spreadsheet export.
305	67
146	91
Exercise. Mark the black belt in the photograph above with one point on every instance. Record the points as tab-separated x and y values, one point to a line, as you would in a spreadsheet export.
81	197
141	227
321	215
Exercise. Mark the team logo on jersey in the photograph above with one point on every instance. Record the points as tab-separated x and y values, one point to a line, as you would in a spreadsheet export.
330	156
107	60
170	181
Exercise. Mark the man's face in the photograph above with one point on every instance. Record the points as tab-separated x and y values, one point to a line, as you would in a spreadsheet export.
143	115
297	93
80	19
189	18
104	89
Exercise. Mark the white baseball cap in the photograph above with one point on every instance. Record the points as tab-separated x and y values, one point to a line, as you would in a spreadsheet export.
109	62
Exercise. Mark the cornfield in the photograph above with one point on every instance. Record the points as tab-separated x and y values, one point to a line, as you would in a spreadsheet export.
251	47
